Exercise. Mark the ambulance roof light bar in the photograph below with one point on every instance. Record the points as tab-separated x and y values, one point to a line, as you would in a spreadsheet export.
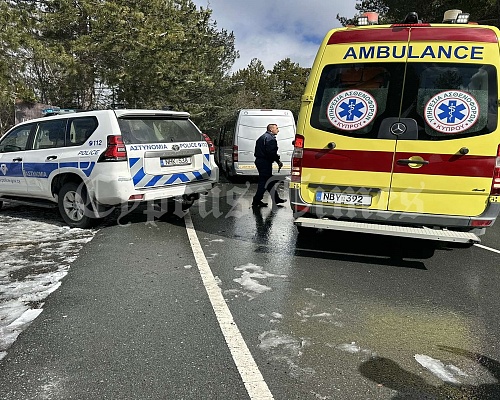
455	17
368	18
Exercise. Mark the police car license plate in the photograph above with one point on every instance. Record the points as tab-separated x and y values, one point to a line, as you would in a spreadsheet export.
172	162
344	198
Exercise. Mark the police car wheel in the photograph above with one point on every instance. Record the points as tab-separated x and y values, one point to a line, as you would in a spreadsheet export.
74	206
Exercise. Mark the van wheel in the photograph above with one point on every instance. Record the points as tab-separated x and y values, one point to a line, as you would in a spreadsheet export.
74	206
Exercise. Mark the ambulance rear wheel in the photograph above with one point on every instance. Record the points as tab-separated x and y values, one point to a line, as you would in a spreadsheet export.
74	206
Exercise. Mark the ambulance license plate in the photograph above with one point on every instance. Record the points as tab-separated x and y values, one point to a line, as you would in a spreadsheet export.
172	162
344	198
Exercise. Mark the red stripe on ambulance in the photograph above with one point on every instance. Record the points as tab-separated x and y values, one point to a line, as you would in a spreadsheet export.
380	161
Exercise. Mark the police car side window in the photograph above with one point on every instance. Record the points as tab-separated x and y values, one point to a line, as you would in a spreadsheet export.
16	140
80	129
50	134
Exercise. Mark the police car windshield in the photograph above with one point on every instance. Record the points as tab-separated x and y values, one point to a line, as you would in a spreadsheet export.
158	130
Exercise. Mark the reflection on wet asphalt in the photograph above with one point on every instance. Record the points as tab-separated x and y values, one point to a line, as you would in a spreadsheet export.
336	315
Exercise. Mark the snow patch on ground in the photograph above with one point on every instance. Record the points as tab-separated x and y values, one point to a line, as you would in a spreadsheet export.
446	373
286	349
36	255
249	279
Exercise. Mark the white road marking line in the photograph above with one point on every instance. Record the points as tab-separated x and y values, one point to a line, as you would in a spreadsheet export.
487	248
254	382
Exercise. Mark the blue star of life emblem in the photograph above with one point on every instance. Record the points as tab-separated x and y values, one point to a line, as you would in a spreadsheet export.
451	111
351	109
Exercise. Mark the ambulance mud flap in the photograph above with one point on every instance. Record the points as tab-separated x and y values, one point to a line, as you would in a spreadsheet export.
389	230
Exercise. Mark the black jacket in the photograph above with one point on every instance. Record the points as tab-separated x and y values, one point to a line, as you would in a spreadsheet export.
266	147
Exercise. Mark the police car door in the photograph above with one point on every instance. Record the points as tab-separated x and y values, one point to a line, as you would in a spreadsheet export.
12	152
43	160
446	146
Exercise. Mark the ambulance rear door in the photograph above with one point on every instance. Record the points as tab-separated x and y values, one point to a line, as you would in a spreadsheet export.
446	135
346	162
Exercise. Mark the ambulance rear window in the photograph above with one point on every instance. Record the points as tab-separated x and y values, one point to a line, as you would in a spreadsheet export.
446	100
139	130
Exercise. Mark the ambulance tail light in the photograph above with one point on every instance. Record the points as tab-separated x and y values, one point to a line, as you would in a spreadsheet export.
115	151
495	184
481	223
235	153
298	153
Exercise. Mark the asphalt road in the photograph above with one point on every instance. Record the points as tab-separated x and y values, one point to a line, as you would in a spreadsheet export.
325	316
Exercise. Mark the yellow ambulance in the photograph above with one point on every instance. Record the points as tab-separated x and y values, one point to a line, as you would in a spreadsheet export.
398	131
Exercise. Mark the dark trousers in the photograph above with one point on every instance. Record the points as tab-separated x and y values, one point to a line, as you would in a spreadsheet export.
266	180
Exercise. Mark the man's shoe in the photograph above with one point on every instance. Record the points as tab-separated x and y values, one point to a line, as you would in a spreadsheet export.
280	201
259	204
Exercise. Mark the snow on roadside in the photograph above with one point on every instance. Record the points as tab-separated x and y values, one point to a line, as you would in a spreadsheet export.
35	252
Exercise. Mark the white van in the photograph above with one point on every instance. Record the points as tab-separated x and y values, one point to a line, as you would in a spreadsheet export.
236	141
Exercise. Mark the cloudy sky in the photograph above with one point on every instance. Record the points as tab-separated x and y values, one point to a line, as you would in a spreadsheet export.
272	30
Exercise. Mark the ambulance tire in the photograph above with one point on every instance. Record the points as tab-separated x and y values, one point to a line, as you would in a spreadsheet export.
74	206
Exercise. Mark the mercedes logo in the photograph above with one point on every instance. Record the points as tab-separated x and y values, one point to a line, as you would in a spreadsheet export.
398	128
175	147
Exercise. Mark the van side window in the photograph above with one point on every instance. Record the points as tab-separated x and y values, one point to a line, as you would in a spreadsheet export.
50	134
80	129
17	139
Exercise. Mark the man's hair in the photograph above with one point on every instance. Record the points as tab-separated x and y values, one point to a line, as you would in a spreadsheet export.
269	127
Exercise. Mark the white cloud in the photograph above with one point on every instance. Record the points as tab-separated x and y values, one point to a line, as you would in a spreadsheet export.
272	30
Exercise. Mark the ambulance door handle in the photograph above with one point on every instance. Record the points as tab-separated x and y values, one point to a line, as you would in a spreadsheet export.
406	161
50	158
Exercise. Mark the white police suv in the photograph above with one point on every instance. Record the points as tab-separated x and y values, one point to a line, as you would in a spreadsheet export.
90	162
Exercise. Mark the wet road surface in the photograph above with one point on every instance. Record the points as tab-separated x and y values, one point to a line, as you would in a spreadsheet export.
325	315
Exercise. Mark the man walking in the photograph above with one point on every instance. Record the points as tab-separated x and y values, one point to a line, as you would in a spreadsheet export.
266	152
